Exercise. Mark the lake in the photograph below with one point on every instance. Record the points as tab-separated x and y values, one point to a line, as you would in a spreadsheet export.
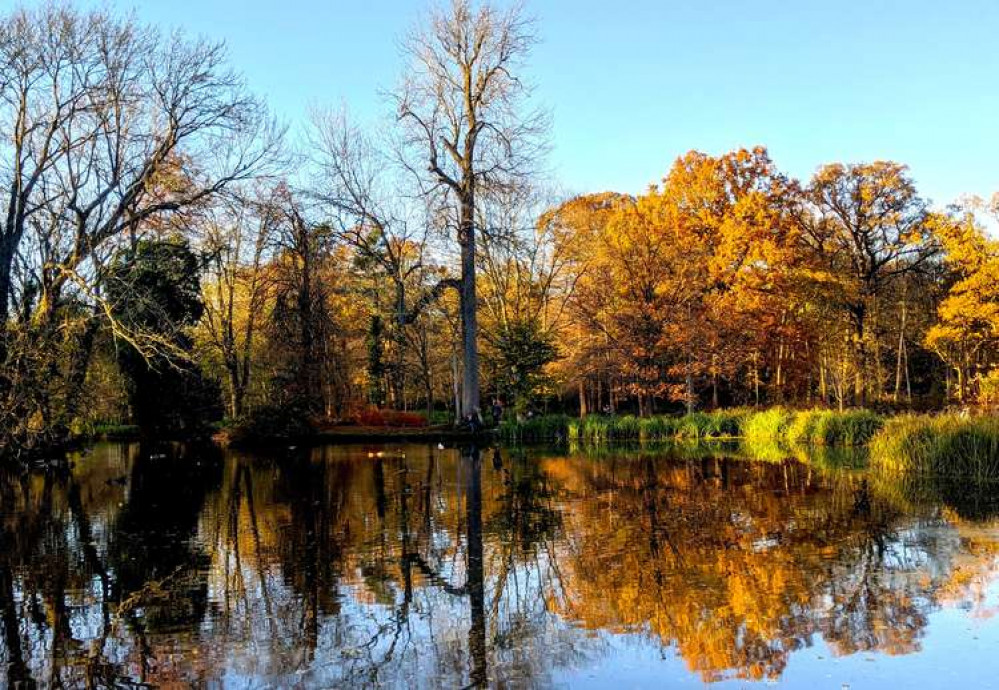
415	566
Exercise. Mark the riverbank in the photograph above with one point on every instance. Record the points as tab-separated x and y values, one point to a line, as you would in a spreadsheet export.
355	434
822	427
945	444
371	433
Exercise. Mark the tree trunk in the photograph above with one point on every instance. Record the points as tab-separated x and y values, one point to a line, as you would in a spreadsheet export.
79	365
823	390
307	362
690	388
429	392
474	567
456	387
860	346
714	382
778	373
399	359
900	355
236	397
469	321
7	247
756	378
582	399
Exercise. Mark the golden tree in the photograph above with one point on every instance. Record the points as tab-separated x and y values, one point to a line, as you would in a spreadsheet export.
966	335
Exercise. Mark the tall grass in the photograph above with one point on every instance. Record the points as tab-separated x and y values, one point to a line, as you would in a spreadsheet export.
774	426
769	426
779	433
939	445
106	431
829	428
945	445
699	425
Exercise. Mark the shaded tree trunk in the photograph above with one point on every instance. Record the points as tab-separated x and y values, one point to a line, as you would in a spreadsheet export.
469	319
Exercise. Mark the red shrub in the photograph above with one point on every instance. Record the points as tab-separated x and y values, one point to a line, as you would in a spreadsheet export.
370	417
406	419
374	417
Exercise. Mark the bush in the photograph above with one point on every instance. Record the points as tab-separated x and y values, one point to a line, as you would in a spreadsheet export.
441	417
988	389
372	416
369	417
272	422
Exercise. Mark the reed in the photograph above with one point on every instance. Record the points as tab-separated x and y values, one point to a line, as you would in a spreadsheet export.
769	426
830	428
940	445
801	430
764	449
945	445
699	425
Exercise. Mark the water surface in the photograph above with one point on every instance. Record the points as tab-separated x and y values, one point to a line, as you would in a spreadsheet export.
333	567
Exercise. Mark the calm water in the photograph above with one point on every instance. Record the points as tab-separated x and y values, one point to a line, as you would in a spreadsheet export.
178	567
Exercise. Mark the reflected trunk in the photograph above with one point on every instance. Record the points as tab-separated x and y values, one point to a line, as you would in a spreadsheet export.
476	585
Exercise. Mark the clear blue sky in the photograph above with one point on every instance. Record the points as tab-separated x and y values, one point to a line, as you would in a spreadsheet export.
634	83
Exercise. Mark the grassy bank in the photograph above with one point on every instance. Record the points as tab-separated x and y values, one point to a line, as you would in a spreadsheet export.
941	445
105	432
699	425
553	427
776	425
907	444
813	427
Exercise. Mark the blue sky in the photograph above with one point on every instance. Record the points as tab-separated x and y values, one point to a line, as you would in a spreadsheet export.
633	83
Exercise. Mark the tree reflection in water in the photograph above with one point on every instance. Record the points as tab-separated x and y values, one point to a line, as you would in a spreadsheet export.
465	567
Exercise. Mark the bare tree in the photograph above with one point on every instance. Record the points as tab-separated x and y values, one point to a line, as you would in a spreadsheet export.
116	128
238	234
112	130
468	130
525	259
370	214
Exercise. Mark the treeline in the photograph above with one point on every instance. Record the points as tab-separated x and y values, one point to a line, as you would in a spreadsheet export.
169	257
732	283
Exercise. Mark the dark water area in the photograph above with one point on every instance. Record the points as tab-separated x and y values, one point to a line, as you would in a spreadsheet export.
182	567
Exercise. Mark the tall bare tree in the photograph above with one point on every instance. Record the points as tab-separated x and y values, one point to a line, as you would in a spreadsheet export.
371	214
469	129
237	237
110	130
114	129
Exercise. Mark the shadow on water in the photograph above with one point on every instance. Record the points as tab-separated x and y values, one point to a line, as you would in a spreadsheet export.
411	565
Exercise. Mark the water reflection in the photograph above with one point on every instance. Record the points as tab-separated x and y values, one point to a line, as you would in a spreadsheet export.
403	566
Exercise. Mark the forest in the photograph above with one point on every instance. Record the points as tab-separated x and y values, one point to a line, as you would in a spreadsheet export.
175	259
